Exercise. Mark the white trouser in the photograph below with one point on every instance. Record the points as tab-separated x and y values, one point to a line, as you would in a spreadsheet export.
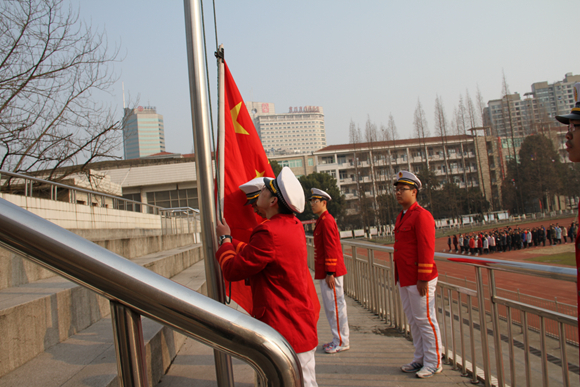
307	363
335	309
422	318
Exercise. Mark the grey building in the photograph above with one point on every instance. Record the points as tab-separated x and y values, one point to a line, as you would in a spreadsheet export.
512	116
143	132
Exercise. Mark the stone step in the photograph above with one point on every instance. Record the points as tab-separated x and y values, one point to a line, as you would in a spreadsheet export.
35	316
88	357
194	365
15	270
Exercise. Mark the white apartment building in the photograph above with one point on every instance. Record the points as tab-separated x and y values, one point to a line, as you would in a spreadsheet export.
469	161
513	116
300	130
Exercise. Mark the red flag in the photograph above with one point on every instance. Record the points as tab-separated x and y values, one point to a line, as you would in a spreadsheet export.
244	159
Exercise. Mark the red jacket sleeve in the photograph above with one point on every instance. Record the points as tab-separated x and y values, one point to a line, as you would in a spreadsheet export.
332	246
425	232
239	260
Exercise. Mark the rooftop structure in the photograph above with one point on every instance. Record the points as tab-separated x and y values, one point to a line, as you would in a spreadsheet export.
143	132
299	130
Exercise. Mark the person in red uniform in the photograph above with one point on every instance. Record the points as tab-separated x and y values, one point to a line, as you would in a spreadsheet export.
330	270
416	274
573	149
275	262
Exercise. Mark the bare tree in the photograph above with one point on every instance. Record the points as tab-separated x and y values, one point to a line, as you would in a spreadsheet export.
462	115
456	122
441	129
470	109
508	112
420	122
392	129
372	137
51	65
480	106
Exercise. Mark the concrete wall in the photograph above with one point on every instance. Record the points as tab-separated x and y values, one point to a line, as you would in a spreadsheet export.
78	216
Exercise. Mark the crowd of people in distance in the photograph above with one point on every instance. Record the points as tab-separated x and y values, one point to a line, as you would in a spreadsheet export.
507	239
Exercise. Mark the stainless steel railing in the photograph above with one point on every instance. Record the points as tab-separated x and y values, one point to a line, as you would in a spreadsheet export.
135	291
173	220
468	317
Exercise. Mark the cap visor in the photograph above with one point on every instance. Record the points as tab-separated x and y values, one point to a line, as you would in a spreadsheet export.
251	201
565	119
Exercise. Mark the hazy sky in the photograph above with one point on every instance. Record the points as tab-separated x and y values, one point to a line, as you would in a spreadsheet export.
355	59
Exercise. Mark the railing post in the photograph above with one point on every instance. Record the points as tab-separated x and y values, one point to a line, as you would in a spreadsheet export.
356	276
373	283
129	345
496	328
483	326
444	325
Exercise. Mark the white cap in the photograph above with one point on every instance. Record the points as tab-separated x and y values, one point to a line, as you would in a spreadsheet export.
253	188
406	177
319	194
288	189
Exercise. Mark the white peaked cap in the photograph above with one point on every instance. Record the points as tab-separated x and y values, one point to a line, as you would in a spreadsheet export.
319	194
253	188
407	177
253	185
287	188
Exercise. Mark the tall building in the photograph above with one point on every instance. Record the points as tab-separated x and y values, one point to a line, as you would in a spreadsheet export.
556	98
143	132
512	116
370	169
300	130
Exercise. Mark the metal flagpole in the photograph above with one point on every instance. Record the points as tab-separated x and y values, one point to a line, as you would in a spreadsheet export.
201	138
221	127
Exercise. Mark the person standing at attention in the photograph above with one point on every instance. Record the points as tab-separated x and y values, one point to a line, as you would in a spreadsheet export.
330	270
573	149
416	274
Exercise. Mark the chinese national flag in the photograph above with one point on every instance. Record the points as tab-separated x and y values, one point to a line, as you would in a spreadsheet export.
244	160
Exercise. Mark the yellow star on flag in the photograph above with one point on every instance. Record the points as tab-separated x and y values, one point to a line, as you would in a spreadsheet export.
259	174
237	127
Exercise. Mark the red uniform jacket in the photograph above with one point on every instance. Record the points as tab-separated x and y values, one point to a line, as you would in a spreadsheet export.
415	246
327	249
577	249
275	262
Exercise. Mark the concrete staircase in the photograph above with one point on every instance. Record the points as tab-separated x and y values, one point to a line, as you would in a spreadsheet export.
57	333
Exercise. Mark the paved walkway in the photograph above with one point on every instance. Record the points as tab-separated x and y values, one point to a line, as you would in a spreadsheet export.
374	359
375	356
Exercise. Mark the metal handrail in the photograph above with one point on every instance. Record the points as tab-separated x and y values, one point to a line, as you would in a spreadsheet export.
166	214
373	285
77	189
554	272
135	291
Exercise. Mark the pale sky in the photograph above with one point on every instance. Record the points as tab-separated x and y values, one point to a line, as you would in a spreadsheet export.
355	59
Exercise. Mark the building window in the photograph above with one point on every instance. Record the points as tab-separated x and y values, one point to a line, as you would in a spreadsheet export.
131	206
174	199
296	163
327	160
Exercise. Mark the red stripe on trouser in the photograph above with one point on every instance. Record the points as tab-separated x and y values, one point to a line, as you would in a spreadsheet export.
434	331
337	321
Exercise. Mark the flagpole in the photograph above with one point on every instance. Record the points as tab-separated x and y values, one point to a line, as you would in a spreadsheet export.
201	130
221	128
